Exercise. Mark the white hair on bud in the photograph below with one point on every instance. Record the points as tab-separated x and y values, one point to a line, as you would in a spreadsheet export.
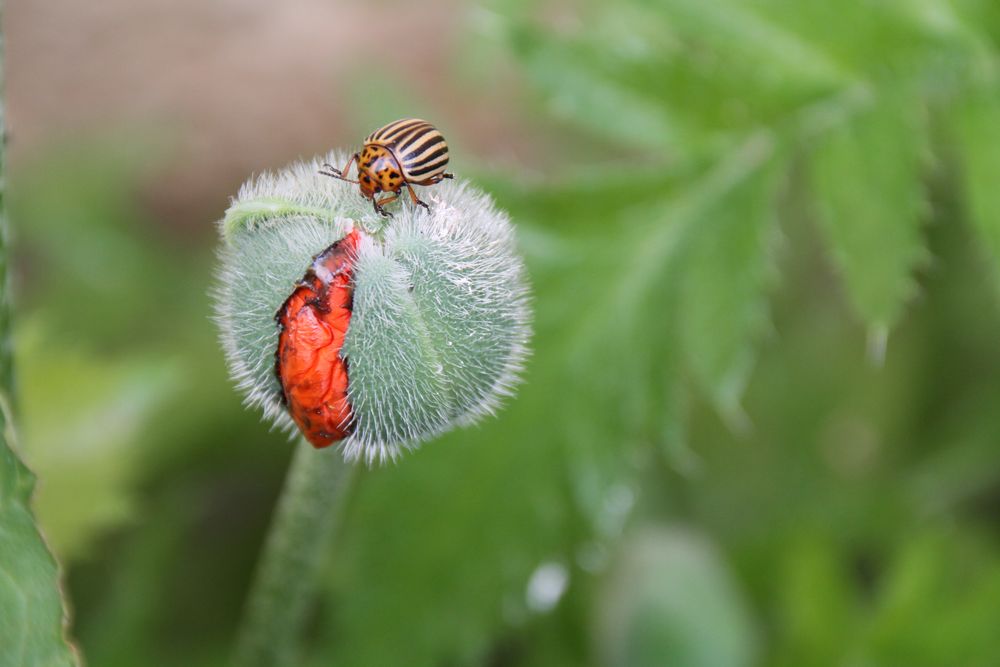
441	317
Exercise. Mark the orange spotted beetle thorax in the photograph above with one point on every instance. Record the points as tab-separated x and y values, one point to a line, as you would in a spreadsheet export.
378	170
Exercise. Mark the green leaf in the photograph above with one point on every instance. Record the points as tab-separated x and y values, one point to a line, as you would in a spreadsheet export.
877	41
671	600
982	16
816	604
938	604
976	128
723	301
741	34
578	87
689	292
33	617
871	200
436	554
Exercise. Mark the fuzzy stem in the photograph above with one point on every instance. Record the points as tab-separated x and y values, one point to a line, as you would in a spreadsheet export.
287	577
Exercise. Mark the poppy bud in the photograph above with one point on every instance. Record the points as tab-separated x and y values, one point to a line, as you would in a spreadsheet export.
435	306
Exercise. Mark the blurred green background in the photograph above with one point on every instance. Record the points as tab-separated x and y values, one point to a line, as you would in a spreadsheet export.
760	424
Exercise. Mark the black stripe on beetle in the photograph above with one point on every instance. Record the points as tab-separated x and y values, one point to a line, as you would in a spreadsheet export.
419	133
422	152
394	131
425	159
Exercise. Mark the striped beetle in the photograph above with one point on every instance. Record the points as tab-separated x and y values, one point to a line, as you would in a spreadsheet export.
406	152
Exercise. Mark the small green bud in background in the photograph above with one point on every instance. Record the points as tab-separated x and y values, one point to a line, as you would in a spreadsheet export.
440	319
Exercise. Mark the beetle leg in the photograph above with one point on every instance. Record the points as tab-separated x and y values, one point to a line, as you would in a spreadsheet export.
415	198
331	171
380	204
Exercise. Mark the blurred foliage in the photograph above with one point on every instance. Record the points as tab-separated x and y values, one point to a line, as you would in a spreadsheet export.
90	450
33	613
759	424
646	616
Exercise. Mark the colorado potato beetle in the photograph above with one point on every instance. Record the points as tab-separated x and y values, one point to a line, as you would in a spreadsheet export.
406	152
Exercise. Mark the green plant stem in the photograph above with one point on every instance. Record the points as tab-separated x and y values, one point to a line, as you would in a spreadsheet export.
301	535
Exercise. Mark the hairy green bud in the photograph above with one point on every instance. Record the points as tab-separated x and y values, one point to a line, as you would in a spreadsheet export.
440	318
